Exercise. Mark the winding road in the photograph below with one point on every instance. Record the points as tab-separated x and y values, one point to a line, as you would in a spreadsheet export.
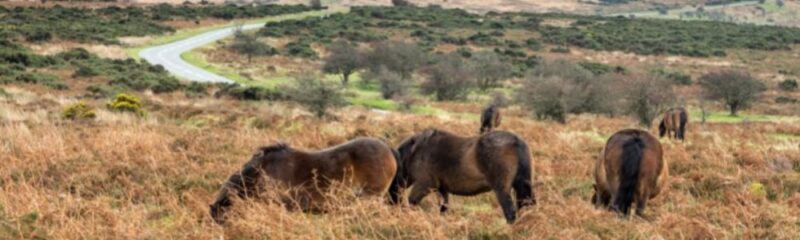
169	55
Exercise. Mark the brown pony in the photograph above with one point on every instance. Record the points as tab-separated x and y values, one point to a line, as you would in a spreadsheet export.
490	118
436	160
630	168
674	121
366	163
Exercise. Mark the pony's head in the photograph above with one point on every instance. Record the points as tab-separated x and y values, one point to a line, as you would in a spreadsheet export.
218	208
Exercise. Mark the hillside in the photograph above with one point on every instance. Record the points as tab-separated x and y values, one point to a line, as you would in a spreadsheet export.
96	144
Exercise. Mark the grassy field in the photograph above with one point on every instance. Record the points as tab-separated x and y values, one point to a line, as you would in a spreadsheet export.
122	176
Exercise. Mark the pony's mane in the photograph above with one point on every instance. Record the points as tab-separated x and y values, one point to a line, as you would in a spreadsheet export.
273	148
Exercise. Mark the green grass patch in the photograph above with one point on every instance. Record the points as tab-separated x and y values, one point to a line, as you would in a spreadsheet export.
785	137
724	117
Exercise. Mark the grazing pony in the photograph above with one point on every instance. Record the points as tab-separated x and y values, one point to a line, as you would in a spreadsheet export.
490	118
365	163
436	160
630	169
674	121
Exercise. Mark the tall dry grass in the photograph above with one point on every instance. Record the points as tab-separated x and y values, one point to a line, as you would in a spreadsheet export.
125	177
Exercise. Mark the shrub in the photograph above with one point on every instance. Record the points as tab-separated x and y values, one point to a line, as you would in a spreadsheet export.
785	100
85	71
253	93
489	69
79	111
399	57
123	102
196	89
391	84
48	80
736	89
674	76
555	88
448	79
316	94
300	48
544	97
788	85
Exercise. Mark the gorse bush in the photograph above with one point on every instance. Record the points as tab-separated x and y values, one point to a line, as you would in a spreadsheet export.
675	76
79	111
788	85
126	103
254	93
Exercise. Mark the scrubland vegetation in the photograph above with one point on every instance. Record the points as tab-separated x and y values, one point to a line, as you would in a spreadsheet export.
100	148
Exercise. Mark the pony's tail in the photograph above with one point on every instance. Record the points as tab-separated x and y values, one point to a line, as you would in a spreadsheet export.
632	152
523	186
662	128
684	120
395	188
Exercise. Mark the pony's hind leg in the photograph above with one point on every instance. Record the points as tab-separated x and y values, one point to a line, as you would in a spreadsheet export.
509	210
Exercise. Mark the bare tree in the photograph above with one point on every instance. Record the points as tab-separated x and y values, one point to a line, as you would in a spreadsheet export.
248	44
646	96
489	69
736	89
344	59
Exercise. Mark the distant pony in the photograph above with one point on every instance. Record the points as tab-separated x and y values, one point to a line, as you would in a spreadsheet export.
366	163
436	160
490	118
630	169
674	123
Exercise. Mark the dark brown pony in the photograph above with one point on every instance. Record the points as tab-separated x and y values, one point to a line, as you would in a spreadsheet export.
674	121
366	163
630	169
436	160
490	118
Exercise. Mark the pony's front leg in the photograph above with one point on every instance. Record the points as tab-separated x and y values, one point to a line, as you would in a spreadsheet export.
418	192
445	200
